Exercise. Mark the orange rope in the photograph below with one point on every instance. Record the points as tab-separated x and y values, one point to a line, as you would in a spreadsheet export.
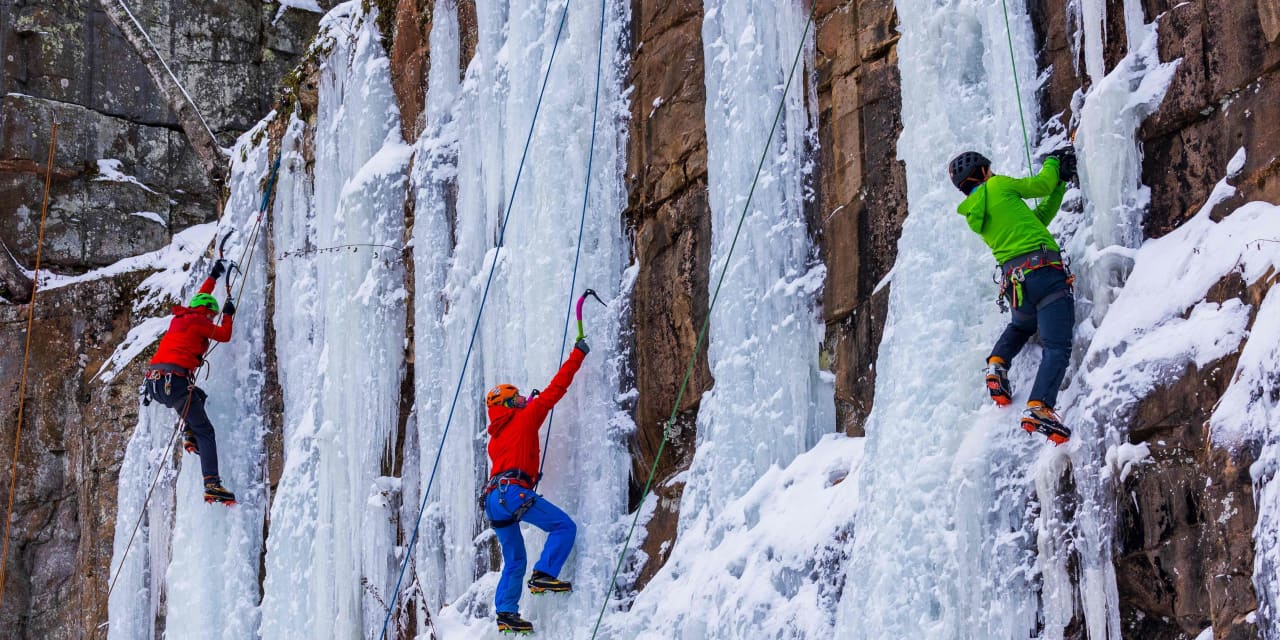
22	387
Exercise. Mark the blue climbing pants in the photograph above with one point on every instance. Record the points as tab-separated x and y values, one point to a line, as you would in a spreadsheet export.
1045	310
499	505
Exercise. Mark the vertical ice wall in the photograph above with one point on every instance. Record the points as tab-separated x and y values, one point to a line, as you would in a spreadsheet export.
467	163
200	560
944	543
768	404
291	589
341	305
139	585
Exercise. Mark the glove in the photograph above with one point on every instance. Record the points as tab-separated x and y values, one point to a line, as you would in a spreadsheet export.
581	345
229	308
1066	163
219	269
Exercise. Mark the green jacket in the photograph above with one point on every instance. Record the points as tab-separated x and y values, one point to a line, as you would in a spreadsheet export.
996	211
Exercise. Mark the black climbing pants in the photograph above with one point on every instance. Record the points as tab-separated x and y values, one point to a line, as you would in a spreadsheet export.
1049	309
173	392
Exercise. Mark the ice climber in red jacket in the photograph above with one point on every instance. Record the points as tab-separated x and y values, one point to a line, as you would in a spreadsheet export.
171	378
509	497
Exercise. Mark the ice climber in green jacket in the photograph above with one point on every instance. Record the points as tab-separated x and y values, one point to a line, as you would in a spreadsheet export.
1036	281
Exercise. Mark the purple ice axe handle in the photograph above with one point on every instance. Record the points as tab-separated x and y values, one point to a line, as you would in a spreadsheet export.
581	299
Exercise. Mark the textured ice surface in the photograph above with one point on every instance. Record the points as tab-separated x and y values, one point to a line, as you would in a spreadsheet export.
341	326
468	157
945	542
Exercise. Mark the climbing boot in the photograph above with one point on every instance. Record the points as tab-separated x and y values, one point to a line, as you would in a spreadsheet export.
1041	419
513	623
541	582
998	382
215	492
189	441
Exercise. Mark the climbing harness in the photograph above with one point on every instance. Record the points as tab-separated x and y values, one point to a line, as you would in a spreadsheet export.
1013	272
702	333
26	358
500	482
475	328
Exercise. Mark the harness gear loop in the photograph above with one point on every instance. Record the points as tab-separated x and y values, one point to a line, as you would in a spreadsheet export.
502	481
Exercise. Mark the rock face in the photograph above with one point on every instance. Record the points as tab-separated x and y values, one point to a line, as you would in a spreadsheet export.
74	434
862	189
124	181
670	219
63	60
1185	541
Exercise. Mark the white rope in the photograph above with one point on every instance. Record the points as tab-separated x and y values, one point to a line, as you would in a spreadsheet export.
181	88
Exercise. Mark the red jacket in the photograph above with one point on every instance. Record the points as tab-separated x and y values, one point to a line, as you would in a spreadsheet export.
189	334
513	433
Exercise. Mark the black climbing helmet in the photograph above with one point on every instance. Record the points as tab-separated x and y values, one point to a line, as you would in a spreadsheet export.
966	170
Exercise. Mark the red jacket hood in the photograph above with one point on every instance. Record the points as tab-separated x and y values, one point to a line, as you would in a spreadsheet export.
499	417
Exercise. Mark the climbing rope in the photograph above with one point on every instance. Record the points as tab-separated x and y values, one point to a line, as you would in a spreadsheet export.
142	511
706	323
1017	86
502	232
26	358
182	417
582	223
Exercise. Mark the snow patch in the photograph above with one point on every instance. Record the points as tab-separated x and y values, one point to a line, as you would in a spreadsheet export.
109	171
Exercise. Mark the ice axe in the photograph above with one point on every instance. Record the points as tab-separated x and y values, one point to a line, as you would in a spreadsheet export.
231	264
581	299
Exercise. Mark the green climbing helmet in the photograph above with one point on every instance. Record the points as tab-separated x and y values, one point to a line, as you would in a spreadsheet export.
204	300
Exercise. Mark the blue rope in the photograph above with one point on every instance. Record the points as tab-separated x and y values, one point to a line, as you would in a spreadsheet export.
582	223
476	327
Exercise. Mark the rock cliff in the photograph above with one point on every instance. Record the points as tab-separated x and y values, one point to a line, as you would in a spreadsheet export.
1185	549
124	181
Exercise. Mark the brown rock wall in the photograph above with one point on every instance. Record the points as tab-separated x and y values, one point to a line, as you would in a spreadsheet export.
861	189
73	439
670	220
1225	96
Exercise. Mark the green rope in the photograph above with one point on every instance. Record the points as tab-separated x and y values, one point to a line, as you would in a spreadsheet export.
702	333
1017	87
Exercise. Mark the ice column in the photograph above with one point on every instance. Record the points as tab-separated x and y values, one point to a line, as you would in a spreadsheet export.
468	159
136	597
944	545
343	412
768	404
212	580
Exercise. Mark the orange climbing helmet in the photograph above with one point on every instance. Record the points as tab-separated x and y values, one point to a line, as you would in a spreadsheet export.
501	395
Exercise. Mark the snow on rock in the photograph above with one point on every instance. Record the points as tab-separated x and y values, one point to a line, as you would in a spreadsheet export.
1122	459
109	171
152	216
141	336
771	563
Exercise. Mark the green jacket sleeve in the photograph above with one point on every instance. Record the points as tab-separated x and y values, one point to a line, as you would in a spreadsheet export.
1046	211
1039	185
